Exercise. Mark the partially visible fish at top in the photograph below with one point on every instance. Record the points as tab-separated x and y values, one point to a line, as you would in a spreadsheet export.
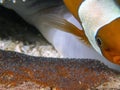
49	16
44	12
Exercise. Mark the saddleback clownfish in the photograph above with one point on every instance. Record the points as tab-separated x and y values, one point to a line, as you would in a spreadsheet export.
100	20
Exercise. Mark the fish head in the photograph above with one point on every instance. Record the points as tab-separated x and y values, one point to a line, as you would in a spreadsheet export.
108	35
108	39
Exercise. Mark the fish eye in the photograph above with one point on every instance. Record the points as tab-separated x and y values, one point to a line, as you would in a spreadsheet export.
99	41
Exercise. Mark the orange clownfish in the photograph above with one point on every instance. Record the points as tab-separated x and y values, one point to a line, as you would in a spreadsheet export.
100	20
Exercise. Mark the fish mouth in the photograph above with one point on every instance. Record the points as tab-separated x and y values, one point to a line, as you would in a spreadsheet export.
112	56
116	59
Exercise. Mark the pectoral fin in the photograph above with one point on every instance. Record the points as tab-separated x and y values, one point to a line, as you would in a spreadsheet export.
64	25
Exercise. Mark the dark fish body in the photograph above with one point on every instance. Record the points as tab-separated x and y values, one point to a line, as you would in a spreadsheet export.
29	8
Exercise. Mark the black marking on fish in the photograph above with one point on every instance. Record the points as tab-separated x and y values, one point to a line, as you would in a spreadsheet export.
44	3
